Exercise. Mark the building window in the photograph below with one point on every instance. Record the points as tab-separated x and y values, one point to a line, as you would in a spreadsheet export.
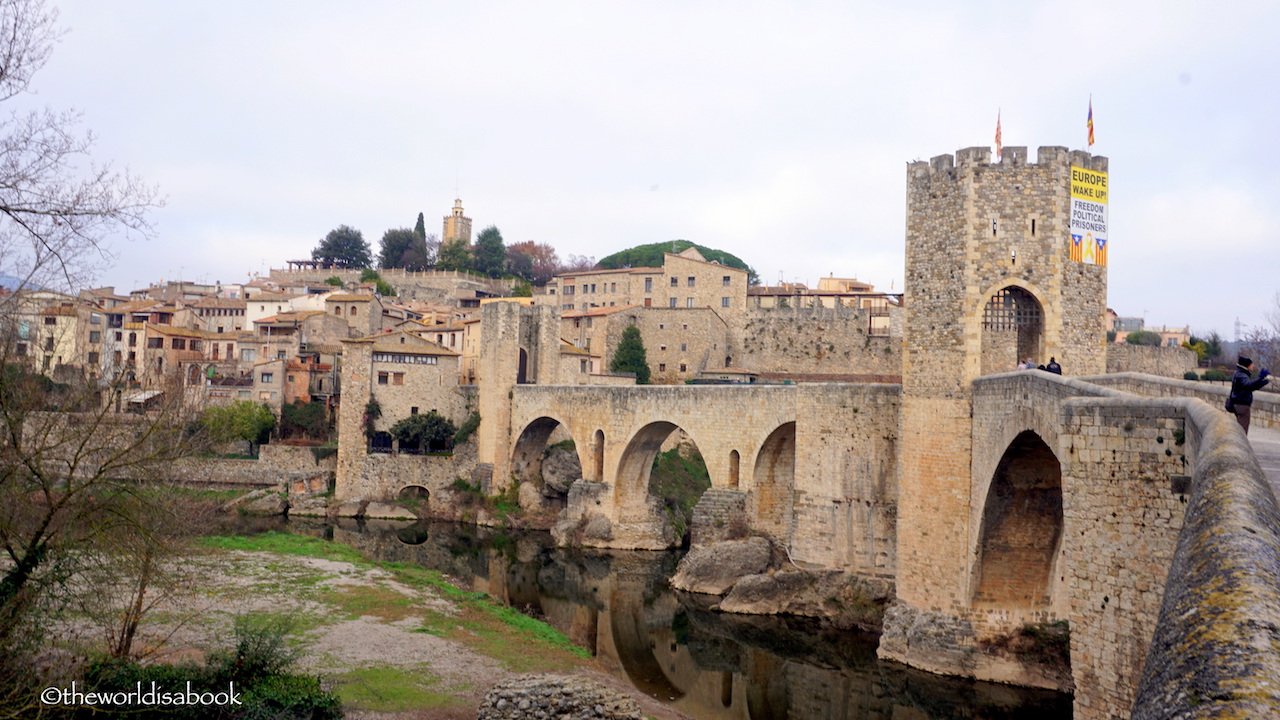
133	339
724	302
95	336
289	378
93	358
662	367
397	378
48	343
384	378
353	311
648	284
589	322
684	347
683	368
692	281
725	281
688	302
21	350
413	410
685	326
179	344
280	354
674	301
248	354
119	336
662	348
51	321
215	351
577	322
196	345
675	282
582	366
268	377
155	343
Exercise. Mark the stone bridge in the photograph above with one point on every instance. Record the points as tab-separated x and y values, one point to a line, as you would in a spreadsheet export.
1078	491
755	439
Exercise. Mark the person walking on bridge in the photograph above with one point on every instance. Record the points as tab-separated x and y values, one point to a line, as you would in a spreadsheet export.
1053	366
1240	401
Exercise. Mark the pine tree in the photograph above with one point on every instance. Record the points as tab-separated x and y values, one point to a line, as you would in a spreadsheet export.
490	255
630	356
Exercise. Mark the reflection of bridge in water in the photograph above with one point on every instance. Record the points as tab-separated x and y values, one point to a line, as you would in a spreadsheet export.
705	664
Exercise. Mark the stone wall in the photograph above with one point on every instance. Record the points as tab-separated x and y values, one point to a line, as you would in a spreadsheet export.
438	286
816	340
1164	361
1121	457
275	464
381	476
1266	405
1216	650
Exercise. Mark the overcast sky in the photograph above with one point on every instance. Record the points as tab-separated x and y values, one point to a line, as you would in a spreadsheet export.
776	131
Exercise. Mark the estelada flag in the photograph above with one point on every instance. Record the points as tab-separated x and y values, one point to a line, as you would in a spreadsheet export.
1077	249
1091	122
999	147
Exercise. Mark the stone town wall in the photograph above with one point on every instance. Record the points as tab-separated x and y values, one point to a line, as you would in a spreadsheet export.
1216	650
1122	515
438	286
1164	361
816	340
381	476
275	463
1266	405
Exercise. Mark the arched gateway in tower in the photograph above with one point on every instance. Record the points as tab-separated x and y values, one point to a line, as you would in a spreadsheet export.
997	272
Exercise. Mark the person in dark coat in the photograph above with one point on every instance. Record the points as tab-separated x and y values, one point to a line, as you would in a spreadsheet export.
1053	366
1243	384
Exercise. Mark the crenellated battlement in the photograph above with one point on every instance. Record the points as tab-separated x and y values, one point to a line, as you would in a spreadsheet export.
1013	156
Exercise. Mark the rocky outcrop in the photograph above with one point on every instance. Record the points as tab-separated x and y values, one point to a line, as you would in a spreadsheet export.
714	569
560	468
556	696
848	600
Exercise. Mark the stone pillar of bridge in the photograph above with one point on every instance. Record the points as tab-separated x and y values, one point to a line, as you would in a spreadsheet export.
992	273
519	344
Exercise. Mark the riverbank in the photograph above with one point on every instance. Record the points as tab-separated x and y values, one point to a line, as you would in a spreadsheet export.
393	641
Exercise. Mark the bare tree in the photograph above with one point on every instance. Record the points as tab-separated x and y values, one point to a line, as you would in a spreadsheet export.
57	206
1262	343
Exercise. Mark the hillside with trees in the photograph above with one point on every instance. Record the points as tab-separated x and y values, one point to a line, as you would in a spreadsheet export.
651	256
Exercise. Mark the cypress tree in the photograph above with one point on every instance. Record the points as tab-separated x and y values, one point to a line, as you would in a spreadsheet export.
630	356
421	227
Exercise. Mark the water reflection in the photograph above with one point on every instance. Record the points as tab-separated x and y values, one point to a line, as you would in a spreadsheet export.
706	664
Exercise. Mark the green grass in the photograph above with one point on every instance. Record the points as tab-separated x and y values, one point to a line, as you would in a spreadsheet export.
286	544
389	689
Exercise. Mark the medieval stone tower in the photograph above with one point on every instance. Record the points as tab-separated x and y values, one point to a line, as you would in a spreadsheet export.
1005	262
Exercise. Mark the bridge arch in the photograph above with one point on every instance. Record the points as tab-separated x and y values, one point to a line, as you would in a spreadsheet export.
1020	537
530	445
1012	322
773	482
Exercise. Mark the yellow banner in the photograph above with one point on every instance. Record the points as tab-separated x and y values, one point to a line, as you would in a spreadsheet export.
1088	185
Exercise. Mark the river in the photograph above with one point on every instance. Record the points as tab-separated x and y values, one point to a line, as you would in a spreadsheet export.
709	665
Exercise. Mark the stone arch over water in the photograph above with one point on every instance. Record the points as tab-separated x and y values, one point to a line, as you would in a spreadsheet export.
1020	537
531	445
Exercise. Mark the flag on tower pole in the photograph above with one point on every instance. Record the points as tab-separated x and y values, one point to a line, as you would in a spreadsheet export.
1090	121
999	147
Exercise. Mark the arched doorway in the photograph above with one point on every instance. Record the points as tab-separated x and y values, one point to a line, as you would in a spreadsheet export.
1021	531
773	483
1012	330
522	371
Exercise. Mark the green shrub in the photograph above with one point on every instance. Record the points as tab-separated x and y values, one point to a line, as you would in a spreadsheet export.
430	431
469	426
1215	375
1190	375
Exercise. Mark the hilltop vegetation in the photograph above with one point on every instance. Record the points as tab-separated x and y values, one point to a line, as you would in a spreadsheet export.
651	256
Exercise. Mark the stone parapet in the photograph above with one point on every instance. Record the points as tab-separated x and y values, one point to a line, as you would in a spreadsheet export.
1173	362
1216	649
1266	405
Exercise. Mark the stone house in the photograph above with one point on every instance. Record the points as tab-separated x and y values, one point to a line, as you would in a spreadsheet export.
407	376
362	313
685	280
